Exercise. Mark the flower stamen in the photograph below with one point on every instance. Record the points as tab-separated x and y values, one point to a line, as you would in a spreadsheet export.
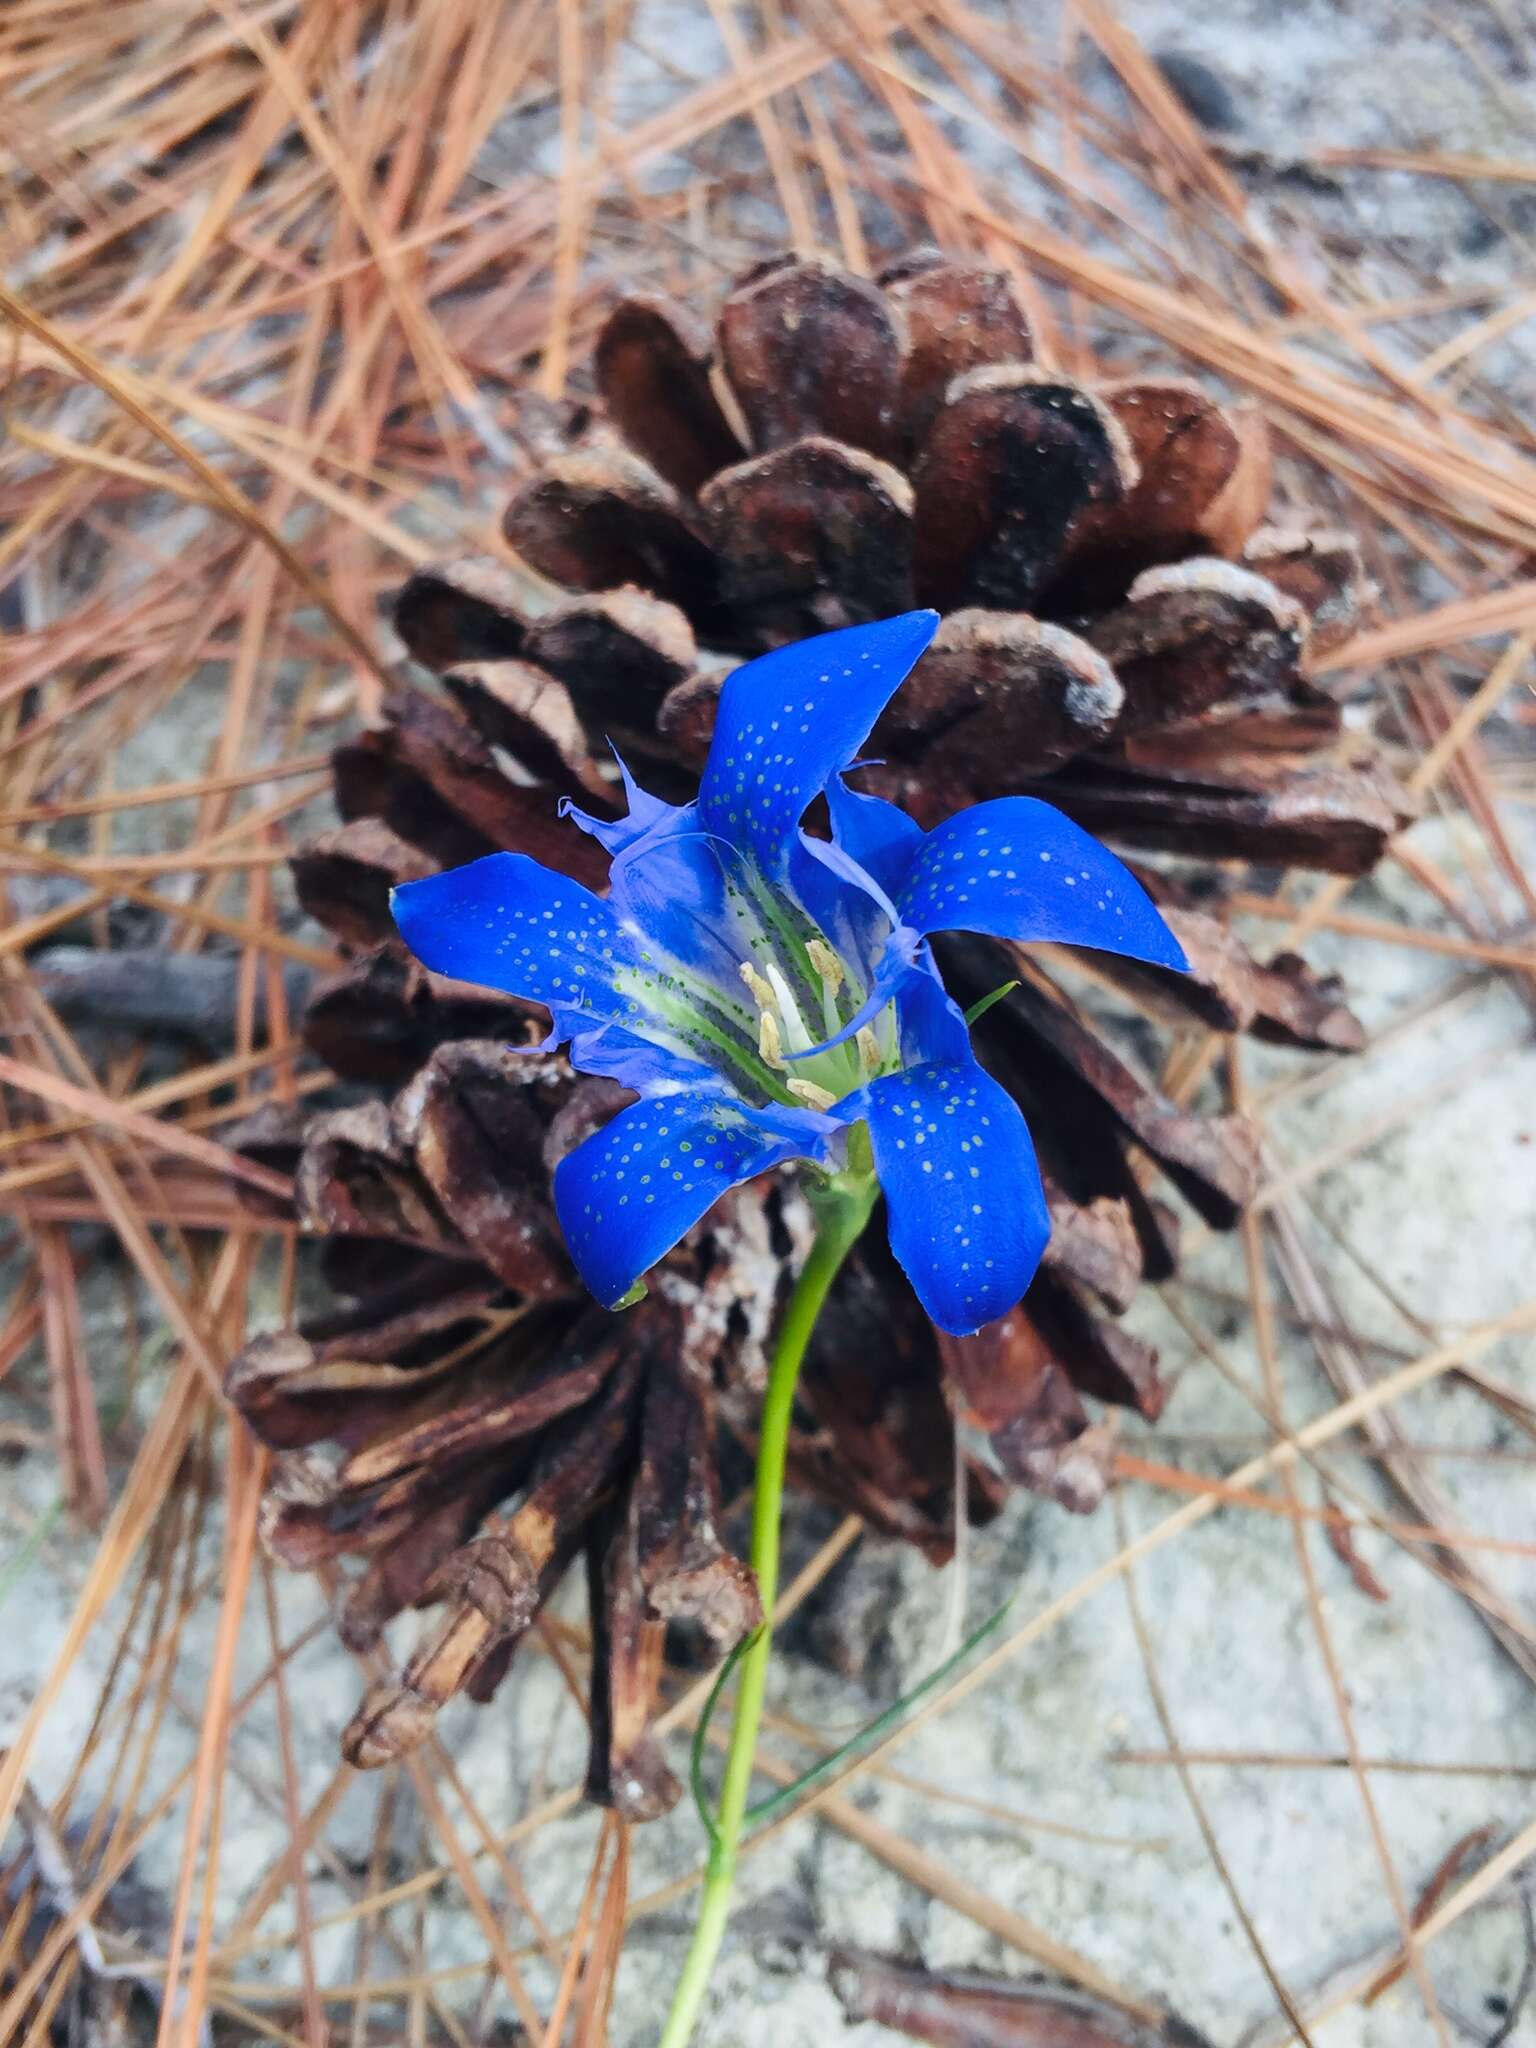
797	1034
808	1093
762	991
827	965
780	1021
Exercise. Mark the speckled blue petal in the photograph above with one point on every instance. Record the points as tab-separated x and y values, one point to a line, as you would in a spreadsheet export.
626	1196
506	922
966	1210
790	720
673	884
1018	868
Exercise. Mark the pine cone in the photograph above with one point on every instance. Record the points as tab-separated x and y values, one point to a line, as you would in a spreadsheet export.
466	1420
1120	632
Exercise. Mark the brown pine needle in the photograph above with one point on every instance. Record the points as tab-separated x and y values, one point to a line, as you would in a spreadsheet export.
1170	1478
100	1109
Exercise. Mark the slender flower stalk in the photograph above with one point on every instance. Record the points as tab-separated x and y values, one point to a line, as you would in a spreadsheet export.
843	1208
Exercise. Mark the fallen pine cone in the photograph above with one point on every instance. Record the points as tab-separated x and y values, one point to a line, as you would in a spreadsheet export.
1122	636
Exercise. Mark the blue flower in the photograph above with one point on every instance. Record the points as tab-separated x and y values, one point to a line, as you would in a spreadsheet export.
773	996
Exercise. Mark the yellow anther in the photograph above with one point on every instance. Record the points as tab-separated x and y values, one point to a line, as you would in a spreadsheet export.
808	1092
826	964
872	1057
762	989
770	1047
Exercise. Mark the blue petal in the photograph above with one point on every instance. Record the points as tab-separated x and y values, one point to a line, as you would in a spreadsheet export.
506	922
966	1211
626	1196
866	859
1018	868
646	812
790	720
933	1025
673	884
645	1065
850	910
882	839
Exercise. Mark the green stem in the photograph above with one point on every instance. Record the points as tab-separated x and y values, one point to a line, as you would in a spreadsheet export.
843	1209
